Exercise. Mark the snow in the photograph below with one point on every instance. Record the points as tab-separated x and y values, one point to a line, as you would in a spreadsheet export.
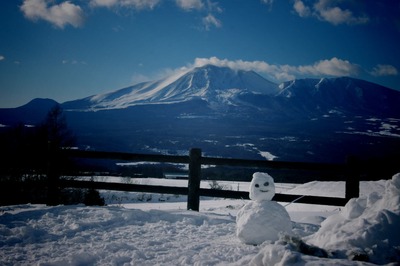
140	93
388	127
164	233
258	222
262	187
367	226
216	85
262	219
267	155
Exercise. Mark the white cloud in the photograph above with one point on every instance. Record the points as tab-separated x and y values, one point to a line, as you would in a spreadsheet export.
333	67
384	70
103	3
301	9
59	15
334	14
211	21
236	65
189	5
136	4
329	11
213	7
205	6
2	57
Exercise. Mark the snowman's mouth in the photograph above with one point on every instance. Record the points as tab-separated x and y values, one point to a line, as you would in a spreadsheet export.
264	190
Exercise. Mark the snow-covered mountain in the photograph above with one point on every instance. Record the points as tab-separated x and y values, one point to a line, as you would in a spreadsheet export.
216	85
235	113
343	94
222	88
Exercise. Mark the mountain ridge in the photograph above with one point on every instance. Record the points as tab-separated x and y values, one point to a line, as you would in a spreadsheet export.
208	82
224	88
30	113
344	94
232	113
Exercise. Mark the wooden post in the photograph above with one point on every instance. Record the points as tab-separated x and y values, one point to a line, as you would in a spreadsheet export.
352	178
52	176
193	201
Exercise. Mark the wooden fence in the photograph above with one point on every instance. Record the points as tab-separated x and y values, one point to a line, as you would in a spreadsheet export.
195	160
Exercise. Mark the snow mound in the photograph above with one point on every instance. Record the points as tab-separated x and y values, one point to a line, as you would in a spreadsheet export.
79	235
285	255
367	227
262	221
365	232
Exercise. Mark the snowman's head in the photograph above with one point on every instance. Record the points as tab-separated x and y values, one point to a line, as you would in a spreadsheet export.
262	187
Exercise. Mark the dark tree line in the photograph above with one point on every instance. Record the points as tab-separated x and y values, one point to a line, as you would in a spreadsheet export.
31	166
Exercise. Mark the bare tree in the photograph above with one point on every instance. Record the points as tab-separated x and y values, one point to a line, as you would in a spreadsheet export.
56	134
56	130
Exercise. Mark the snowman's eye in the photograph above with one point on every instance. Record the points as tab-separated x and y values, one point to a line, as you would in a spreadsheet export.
256	185
266	184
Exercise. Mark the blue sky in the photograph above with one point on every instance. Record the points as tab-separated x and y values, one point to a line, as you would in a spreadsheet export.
67	50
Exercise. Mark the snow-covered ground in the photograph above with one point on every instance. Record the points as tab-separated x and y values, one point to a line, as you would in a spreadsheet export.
152	229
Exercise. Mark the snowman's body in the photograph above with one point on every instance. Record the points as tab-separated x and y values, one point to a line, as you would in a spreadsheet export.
262	219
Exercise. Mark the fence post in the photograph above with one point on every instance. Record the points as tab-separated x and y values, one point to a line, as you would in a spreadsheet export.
52	175
352	178
193	201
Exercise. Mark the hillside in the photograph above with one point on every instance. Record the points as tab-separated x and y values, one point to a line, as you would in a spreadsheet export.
210	83
237	113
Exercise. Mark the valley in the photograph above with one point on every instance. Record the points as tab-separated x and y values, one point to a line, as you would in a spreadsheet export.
235	114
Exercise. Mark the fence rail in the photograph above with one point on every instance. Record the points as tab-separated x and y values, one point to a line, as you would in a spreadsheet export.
195	160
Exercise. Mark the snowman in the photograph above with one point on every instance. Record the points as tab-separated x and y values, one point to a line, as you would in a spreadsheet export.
262	219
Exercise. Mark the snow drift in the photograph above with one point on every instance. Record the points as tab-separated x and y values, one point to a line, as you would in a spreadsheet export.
366	229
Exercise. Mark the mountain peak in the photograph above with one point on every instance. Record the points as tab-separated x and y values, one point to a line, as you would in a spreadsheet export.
31	113
209	82
39	104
